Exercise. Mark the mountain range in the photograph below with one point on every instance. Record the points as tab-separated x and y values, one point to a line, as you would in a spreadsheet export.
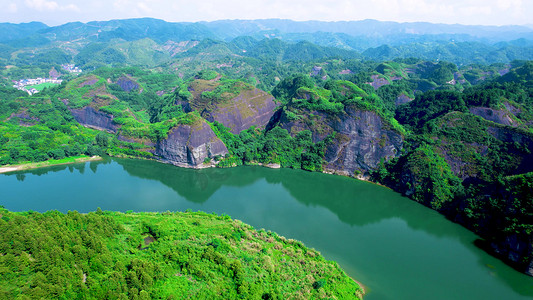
371	32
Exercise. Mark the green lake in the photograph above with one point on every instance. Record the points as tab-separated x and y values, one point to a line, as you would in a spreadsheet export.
397	248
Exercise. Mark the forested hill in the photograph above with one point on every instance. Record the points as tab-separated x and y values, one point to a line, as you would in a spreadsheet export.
106	255
153	41
452	129
419	127
229	29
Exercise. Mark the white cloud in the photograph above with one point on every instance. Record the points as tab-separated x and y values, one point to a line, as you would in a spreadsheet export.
70	7
42	5
50	6
470	11
121	4
144	7
12	8
494	12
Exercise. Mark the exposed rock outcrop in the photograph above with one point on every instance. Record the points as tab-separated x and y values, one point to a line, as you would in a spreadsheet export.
127	84
520	139
362	139
190	145
378	81
514	248
402	99
93	118
497	116
251	107
24	118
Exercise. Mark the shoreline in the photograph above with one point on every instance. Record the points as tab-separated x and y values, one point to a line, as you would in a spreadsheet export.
47	163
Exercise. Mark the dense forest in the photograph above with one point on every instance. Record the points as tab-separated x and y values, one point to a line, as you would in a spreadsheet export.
107	255
449	127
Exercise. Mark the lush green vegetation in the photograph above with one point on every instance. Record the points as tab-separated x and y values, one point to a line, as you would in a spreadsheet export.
107	255
41	128
41	86
273	147
468	166
464	124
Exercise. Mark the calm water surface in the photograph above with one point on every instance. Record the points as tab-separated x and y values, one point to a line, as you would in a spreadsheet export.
398	249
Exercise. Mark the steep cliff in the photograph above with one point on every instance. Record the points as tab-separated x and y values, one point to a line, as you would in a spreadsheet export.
84	97
361	138
127	83
188	145
93	118
478	173
497	116
235	104
359	133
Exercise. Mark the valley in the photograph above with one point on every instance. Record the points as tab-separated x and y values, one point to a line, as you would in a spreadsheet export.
442	117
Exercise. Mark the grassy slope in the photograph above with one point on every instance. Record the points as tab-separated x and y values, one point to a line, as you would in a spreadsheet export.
42	86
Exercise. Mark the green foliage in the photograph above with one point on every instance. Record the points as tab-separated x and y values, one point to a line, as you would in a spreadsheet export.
288	88
39	129
338	97
207	75
81	91
274	146
153	255
99	54
428	106
436	185
53	56
226	90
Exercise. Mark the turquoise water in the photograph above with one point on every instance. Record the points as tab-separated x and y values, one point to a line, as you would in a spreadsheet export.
395	247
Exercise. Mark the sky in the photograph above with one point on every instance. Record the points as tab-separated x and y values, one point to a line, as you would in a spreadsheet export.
468	12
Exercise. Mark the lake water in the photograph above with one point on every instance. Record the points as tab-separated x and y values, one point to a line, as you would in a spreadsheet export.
397	248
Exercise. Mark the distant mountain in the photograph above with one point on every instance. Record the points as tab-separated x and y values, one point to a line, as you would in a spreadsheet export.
461	53
367	28
340	32
148	41
9	31
129	30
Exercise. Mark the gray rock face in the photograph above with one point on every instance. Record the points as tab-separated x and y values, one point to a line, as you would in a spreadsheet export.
524	139
496	116
251	108
24	118
190	145
515	248
402	99
361	141
90	117
127	84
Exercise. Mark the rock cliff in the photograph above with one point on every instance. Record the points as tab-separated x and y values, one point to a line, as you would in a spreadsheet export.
238	110
127	84
190	145
497	116
517	250
93	118
361	138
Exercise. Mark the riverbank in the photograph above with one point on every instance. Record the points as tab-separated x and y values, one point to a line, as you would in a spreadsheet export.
48	163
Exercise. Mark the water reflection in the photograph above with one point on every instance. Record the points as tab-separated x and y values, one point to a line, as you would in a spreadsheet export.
354	202
194	185
398	248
